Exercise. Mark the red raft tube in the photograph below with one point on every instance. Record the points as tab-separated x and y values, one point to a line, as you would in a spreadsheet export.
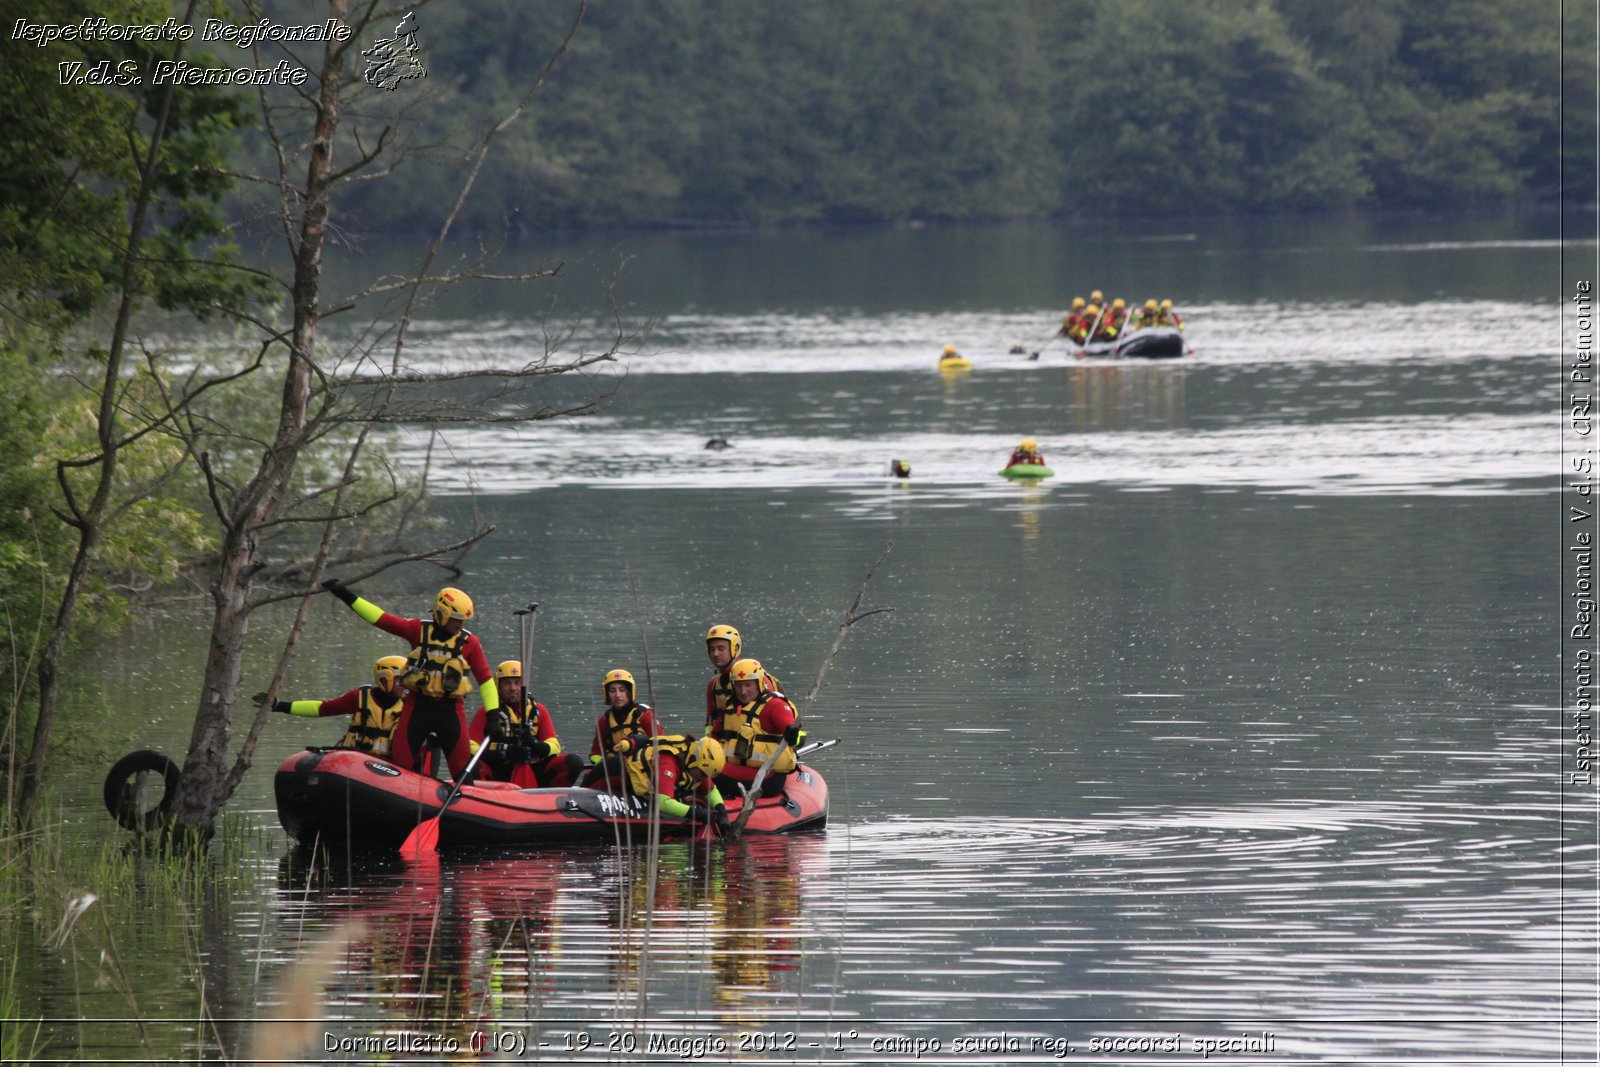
345	798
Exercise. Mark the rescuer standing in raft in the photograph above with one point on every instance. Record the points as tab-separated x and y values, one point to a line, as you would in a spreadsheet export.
445	660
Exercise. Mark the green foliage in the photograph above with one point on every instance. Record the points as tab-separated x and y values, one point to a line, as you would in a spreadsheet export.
82	117
722	111
32	552
148	541
73	155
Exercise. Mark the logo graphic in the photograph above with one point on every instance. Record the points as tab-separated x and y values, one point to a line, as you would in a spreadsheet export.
394	60
387	770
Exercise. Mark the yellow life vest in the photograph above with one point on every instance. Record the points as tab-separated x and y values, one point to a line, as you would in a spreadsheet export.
641	764
722	693
626	726
742	739
528	713
372	725
436	667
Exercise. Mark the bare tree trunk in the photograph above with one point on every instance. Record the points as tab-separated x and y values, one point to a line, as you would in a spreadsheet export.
206	783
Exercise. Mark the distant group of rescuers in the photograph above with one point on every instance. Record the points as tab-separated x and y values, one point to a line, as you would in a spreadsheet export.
1092	320
418	698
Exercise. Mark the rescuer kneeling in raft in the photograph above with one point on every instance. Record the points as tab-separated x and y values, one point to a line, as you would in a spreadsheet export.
373	709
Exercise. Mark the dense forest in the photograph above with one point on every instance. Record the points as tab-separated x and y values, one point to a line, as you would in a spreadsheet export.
727	111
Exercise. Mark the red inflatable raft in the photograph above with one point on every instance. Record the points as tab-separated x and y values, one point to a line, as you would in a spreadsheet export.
346	798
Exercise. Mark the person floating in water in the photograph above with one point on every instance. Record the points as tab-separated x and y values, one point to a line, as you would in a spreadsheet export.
1026	452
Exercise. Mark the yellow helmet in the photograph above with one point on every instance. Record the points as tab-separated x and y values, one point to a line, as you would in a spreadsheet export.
1029	445
509	669
728	634
1118	304
949	350
618	676
746	670
1149	305
706	758
1166	305
451	603
1092	310
386	670
1097	297
1077	303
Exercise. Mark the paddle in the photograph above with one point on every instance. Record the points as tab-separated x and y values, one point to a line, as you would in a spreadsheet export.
423	840
1042	348
1089	336
814	746
525	620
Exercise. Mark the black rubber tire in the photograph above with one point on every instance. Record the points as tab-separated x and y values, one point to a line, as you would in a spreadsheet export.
121	784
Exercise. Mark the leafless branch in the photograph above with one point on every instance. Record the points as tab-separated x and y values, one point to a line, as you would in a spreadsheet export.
436	555
852	615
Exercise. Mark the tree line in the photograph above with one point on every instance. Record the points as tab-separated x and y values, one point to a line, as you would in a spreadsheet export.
733	112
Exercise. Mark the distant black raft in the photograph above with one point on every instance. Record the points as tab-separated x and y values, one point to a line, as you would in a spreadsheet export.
1141	342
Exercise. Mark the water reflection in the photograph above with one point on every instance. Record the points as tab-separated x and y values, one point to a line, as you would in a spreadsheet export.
1122	396
547	945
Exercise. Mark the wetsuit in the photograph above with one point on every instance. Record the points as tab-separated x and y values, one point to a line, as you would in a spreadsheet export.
435	653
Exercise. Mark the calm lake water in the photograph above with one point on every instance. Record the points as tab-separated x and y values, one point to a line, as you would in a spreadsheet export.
1239	737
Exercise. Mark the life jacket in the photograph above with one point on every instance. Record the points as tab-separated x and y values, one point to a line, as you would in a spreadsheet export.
722	692
436	667
742	739
626	725
641	765
528	713
372	725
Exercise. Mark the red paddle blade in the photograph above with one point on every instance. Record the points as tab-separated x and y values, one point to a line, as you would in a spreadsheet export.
422	844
